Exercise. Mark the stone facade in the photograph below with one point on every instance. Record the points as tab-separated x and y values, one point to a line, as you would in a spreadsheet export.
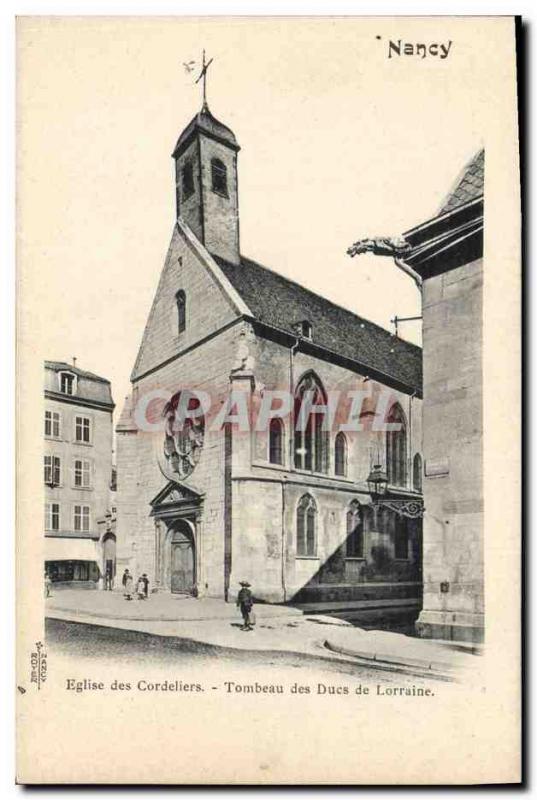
453	438
234	515
448	255
78	470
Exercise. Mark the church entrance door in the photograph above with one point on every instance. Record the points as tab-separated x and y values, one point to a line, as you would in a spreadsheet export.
182	560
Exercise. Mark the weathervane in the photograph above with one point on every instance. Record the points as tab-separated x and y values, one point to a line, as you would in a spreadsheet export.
203	75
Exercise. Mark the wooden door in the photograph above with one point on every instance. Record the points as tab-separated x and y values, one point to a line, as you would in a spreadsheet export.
182	566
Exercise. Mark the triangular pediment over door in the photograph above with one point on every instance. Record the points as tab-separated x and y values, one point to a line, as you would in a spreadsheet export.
176	499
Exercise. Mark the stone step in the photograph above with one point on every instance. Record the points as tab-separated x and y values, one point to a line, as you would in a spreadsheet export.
327	593
346	606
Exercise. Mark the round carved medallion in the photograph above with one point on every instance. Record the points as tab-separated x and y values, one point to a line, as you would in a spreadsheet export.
184	433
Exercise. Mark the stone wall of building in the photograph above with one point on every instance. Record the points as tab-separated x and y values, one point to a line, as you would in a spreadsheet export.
220	213
453	603
265	496
197	359
207	310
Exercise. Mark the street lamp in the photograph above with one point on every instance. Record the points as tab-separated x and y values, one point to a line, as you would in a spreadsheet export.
377	483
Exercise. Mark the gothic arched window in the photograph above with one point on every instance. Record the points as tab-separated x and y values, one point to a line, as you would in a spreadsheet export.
306	527
340	455
187	176
219	177
396	447
180	300
355	531
276	441
417	473
311	440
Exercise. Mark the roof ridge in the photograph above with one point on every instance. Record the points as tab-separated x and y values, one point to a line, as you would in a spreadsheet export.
330	302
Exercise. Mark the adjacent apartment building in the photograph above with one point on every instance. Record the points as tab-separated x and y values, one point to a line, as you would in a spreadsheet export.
77	473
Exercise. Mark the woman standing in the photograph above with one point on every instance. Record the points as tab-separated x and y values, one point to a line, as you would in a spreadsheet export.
128	585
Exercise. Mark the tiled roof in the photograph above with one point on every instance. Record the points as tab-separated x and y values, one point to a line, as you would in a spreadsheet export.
205	122
57	366
469	184
282	303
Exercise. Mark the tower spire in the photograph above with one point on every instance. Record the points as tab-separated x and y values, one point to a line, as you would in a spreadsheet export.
203	76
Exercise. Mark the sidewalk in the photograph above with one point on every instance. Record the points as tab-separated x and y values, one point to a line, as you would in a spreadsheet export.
279	628
163	607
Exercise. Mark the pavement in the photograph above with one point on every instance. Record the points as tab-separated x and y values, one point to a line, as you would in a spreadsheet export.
278	629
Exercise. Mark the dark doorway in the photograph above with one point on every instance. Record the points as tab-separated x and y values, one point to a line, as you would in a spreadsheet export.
182	561
109	555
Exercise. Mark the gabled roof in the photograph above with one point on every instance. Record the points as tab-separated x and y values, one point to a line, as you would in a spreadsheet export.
281	303
468	185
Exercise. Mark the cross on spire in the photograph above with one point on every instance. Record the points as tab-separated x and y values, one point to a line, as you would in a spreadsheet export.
203	74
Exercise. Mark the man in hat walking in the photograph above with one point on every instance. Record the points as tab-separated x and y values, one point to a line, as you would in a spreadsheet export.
245	602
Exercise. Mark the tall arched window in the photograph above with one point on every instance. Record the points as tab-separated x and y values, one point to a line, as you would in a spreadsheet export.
396	447
219	176
311	441
187	176
355	531
276	441
417	473
340	454
306	527
180	299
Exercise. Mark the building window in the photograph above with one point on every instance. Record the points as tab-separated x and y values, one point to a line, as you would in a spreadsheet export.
276	441
82	473
72	570
52	424
306	523
52	516
305	329
417	473
52	468
311	440
401	538
355	531
187	176
83	430
396	448
219	177
180	300
340	455
67	383
82	518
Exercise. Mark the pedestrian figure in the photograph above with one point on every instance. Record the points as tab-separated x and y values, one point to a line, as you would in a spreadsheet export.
245	602
146	585
48	584
128	585
140	588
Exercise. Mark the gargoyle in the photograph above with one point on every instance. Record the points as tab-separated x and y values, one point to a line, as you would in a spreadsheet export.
381	246
394	247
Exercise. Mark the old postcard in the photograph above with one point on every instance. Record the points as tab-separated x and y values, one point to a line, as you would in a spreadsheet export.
268	400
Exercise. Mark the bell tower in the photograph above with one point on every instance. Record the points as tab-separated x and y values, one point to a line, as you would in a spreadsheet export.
206	183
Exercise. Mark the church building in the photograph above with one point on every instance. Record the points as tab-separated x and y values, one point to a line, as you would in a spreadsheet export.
211	491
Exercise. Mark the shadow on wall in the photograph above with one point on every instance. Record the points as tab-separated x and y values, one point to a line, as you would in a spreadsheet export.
380	561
